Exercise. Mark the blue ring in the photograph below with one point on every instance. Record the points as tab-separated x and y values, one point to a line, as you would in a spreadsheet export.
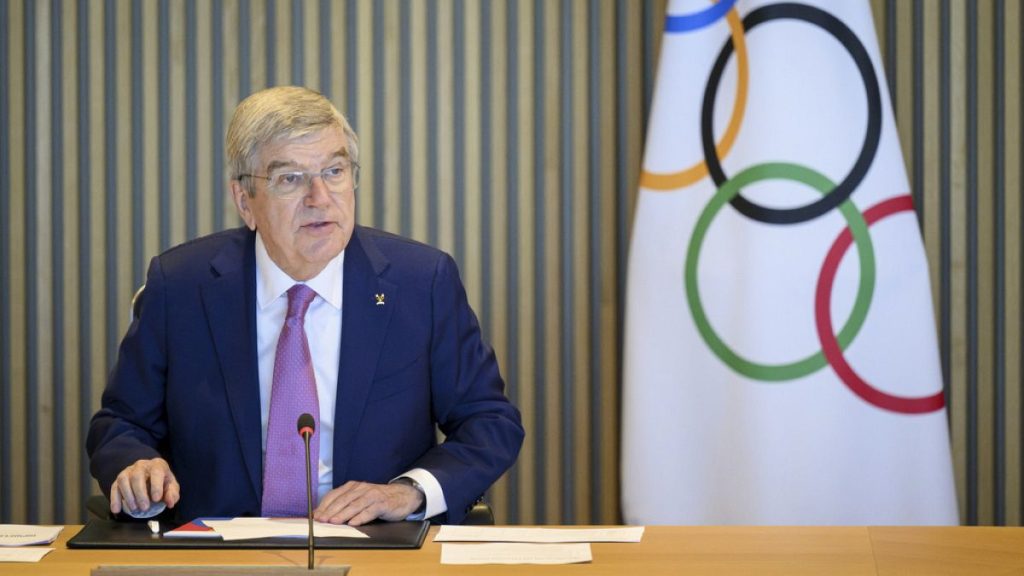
688	22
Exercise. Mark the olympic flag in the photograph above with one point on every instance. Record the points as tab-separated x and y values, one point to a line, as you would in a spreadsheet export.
781	364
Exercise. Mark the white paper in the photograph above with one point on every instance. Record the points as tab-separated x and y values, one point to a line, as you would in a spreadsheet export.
27	534
517	553
247	528
539	535
23	554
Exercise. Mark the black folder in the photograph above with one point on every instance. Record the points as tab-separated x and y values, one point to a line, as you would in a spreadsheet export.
114	534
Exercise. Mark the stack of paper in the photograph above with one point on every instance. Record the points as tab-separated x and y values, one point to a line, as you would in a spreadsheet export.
527	545
13	538
27	535
538	535
249	528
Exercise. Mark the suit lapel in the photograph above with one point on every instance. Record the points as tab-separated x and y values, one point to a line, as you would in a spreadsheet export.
229	301
364	325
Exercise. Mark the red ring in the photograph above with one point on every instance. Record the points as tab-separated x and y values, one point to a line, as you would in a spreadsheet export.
823	321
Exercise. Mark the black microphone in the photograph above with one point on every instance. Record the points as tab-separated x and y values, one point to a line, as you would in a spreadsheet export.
307	426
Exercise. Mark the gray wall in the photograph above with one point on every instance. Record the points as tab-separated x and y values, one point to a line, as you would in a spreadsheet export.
508	132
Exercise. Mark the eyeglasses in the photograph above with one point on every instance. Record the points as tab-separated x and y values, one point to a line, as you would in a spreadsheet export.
293	183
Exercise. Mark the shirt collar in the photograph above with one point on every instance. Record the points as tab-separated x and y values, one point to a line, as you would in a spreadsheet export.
272	282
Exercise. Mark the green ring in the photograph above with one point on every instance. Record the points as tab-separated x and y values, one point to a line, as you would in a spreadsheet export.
865	290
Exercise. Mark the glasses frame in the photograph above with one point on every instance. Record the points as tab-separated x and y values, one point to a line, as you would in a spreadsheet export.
307	180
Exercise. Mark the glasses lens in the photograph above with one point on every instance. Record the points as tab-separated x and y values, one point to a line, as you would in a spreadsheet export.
336	176
290	184
287	183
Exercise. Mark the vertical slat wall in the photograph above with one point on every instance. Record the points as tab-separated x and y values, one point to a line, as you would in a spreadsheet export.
954	69
508	132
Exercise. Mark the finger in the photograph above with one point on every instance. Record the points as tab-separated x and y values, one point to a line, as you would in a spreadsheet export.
115	499
125	488
367	514
335	519
369	501
329	513
140	491
337	499
338	512
156	483
172	490
338	492
326	502
343	515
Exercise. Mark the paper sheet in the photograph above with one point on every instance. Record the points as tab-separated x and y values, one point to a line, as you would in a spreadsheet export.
517	553
23	554
247	528
539	535
27	534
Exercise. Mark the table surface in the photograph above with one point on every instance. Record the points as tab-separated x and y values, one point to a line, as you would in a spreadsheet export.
789	550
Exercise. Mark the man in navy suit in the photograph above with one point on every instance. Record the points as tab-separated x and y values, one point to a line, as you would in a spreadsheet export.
395	348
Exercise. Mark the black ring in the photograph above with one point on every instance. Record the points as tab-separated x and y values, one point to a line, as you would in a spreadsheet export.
845	188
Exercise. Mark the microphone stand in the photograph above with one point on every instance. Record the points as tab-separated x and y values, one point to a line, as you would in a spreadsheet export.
309	497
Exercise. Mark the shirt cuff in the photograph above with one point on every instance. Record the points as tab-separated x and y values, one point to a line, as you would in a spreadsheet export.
432	494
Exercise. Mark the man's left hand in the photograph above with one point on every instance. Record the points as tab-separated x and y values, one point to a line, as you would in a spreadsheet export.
356	503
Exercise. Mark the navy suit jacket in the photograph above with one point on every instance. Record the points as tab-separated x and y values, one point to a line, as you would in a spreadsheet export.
186	382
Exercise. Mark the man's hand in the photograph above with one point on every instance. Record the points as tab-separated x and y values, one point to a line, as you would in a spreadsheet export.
143	483
357	503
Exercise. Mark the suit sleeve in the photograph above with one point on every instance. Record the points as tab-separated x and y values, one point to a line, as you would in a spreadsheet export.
131	423
483	431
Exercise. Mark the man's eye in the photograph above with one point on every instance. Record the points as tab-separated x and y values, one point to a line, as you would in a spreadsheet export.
289	179
334	172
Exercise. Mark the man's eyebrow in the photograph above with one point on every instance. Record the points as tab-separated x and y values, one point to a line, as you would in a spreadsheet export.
275	164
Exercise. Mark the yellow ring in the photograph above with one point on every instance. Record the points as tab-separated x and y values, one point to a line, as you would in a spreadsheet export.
675	180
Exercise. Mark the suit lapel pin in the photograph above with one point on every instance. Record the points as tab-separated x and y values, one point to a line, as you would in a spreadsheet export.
379	298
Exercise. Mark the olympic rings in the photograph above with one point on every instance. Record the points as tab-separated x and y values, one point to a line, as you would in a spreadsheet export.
687	176
696	20
834	350
729	190
816	361
845	188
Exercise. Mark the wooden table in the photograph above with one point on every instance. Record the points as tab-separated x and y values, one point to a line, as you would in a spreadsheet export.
675	550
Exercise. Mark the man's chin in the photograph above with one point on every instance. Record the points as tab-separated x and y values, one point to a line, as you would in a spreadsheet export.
322	250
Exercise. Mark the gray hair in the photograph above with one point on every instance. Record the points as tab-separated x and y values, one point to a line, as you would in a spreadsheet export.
280	112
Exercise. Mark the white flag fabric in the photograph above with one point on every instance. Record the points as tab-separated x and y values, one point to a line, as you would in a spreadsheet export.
781	363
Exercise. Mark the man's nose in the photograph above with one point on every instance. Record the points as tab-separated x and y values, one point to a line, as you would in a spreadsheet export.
316	191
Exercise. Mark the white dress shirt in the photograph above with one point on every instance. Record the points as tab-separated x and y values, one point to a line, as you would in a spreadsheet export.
323	332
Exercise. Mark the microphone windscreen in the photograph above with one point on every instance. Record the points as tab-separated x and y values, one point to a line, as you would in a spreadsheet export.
306	421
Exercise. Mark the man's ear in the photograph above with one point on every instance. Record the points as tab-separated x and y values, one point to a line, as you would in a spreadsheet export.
242	203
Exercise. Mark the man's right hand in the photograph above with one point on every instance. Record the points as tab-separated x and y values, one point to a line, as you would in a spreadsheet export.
138	486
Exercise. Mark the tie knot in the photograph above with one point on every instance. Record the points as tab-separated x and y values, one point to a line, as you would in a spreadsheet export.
299	297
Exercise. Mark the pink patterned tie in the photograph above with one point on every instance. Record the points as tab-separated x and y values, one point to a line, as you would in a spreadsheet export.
293	392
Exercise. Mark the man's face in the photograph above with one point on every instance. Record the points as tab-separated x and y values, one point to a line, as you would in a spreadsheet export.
304	231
